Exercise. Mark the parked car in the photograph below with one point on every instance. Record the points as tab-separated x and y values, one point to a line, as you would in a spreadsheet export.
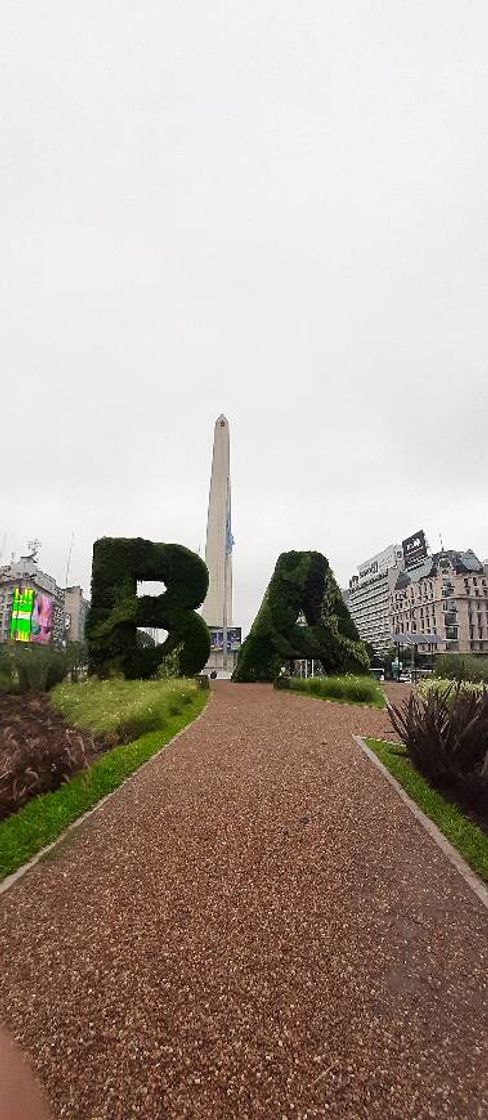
378	673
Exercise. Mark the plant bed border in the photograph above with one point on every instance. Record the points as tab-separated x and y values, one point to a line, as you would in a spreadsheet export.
458	837
26	836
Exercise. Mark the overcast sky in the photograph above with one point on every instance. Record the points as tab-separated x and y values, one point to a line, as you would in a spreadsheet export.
275	210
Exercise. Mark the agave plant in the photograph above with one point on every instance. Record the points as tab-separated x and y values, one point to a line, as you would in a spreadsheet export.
446	737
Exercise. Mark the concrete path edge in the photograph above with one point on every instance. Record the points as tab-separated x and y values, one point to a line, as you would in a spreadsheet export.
9	880
471	879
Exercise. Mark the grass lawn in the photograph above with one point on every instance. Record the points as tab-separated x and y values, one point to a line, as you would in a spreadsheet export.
157	710
342	690
471	842
126	708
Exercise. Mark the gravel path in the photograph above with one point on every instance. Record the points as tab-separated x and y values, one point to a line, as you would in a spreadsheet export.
255	926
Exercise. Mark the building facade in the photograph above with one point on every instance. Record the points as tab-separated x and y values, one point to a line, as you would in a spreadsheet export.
27	602
446	595
33	608
75	613
369	596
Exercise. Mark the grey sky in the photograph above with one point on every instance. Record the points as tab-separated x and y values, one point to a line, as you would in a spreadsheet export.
274	210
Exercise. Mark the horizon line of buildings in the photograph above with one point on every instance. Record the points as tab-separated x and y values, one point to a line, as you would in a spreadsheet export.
403	594
436	601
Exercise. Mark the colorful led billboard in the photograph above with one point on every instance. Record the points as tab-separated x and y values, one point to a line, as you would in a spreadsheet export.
22	607
32	616
42	618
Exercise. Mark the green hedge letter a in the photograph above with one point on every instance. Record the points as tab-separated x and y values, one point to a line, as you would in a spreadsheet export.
303	615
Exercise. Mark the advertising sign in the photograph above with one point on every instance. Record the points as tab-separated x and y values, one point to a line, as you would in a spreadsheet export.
32	616
21	620
217	639
42	619
380	564
414	548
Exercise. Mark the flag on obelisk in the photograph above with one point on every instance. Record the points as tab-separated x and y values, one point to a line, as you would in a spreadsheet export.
217	608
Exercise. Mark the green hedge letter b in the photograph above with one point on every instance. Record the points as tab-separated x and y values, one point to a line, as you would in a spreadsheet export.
119	564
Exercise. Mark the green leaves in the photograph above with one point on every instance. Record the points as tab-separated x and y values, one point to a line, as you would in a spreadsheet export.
446	738
303	615
116	612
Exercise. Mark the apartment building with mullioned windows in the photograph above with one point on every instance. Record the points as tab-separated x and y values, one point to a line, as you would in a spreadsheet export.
445	595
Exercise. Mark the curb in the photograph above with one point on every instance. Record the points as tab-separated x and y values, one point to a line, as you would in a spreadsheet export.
10	880
470	878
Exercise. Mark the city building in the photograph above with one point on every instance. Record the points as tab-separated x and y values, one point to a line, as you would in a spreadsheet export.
33	606
369	596
59	626
27	601
75	613
441	599
446	595
217	608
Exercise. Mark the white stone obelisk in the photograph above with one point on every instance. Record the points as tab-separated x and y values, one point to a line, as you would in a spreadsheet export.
217	608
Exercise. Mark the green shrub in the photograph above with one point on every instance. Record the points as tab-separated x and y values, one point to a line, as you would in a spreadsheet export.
6	678
302	590
446	738
461	667
446	687
37	668
117	612
122	709
346	690
169	667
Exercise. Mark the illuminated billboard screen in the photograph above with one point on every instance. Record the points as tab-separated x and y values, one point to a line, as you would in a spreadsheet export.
217	639
32	616
42	618
414	549
22	607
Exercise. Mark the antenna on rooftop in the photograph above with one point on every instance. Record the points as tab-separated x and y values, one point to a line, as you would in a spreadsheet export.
442	542
33	548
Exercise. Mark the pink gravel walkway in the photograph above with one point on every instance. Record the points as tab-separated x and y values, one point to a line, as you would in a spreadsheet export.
255	926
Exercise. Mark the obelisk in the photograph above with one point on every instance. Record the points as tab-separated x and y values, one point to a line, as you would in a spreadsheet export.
217	608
